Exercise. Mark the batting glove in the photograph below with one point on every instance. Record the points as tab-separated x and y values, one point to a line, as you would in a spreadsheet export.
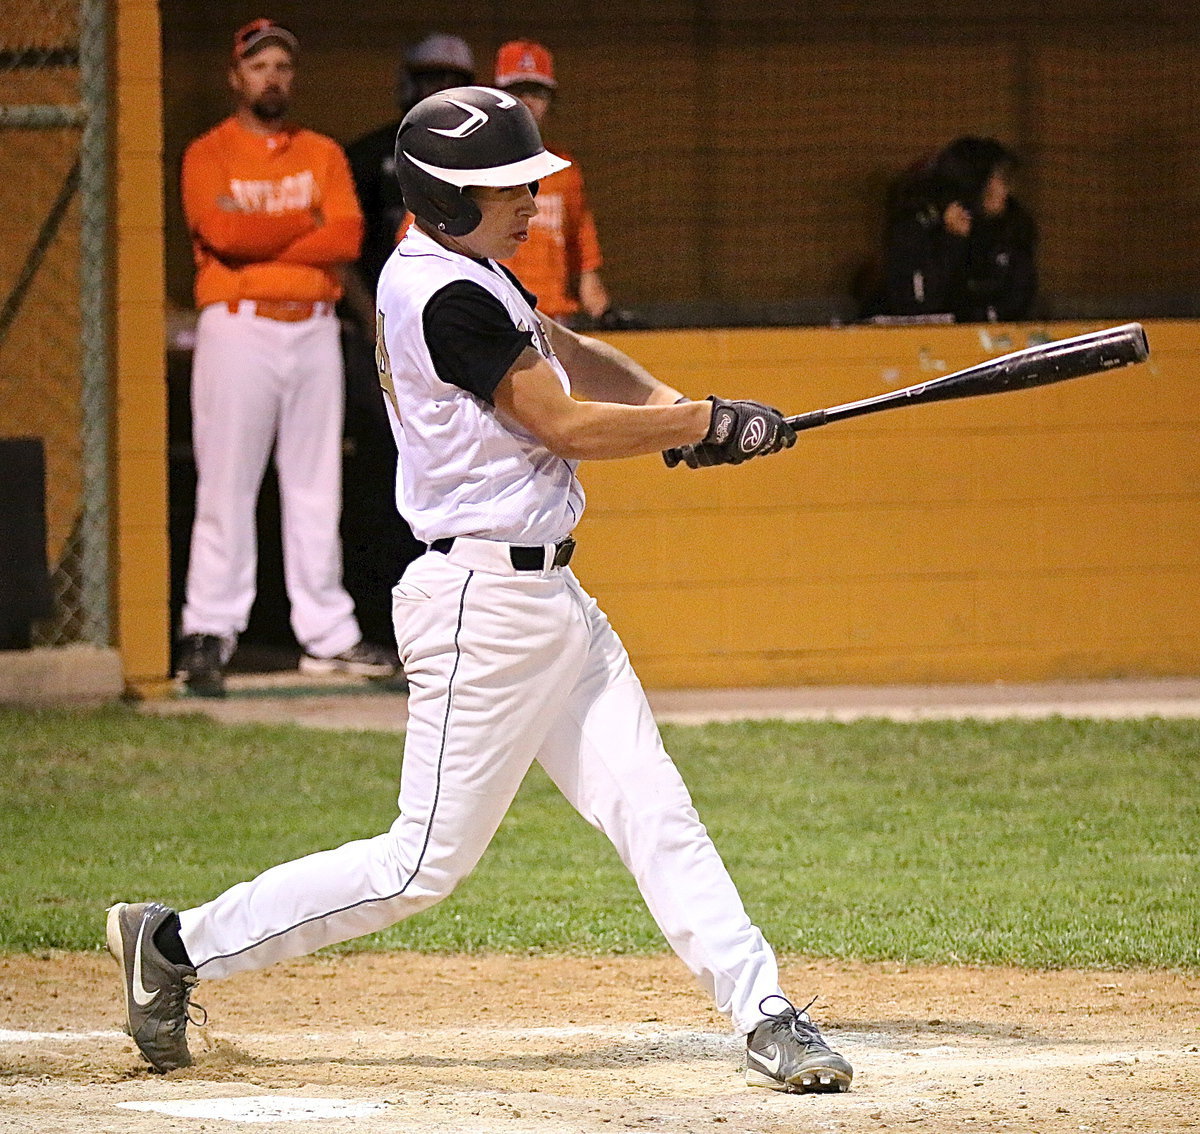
737	431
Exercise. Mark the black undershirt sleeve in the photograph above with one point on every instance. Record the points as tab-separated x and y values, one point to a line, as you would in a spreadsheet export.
471	338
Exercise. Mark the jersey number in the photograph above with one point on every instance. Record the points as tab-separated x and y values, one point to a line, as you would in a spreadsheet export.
384	364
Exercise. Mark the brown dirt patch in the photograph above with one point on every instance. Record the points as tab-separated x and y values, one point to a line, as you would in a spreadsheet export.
550	1045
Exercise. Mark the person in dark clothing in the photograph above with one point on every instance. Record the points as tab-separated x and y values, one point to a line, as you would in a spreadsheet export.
377	542
957	242
436	63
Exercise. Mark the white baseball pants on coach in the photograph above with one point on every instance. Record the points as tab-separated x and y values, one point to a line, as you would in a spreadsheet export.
505	668
258	383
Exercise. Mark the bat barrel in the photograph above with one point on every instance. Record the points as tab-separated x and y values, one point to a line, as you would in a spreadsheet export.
1076	357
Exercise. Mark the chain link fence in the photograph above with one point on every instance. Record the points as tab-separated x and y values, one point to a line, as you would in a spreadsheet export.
53	291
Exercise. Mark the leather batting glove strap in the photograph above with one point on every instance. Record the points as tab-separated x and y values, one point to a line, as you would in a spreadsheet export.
740	430
679	455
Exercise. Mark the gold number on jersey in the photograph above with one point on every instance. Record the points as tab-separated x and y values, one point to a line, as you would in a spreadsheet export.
384	364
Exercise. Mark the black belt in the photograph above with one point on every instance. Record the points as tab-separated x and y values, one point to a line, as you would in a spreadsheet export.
522	558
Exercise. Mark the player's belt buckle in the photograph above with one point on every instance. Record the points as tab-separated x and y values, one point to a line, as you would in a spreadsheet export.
564	551
534	558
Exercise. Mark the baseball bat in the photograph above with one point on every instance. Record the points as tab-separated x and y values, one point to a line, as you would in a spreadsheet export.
1040	365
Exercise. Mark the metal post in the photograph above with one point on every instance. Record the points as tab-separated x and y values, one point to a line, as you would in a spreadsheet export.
95	543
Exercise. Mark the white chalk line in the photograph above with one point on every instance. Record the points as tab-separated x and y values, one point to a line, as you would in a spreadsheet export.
261	1108
885	1050
376	1035
14	1037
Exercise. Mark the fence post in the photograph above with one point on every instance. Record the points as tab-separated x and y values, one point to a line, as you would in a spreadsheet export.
95	317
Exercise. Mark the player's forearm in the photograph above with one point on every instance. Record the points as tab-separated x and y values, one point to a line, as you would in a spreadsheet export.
337	241
597	431
602	373
250	237
531	393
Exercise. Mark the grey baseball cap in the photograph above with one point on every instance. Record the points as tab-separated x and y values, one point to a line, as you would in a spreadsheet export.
248	39
440	52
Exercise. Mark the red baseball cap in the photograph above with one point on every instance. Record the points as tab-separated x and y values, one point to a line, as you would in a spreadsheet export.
258	33
524	61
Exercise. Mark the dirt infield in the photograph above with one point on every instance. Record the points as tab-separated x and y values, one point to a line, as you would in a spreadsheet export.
537	1045
550	1045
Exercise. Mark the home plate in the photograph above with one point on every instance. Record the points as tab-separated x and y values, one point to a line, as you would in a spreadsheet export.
261	1108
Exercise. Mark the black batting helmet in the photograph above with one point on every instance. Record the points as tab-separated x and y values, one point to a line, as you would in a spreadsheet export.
461	137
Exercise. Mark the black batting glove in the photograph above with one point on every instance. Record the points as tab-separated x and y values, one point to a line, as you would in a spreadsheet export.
737	431
740	430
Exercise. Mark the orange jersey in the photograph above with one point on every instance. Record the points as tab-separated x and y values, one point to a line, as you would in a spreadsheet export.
562	243
270	217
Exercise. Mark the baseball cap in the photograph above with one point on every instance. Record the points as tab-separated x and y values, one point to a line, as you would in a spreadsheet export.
440	52
524	61
248	39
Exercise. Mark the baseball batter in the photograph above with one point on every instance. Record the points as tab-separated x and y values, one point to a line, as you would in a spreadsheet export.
272	213
508	659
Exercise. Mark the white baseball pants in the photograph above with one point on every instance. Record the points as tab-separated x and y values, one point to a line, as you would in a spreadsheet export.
258	383
505	668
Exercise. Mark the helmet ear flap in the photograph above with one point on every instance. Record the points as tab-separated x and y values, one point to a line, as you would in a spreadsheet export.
466	221
450	209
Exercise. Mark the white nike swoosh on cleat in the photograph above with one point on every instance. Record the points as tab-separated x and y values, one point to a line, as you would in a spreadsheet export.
773	1062
141	995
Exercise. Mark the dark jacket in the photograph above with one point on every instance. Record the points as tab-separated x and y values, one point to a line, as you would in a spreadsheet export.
1001	267
989	275
373	164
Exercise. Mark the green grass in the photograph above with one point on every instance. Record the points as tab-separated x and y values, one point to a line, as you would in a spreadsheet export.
1047	844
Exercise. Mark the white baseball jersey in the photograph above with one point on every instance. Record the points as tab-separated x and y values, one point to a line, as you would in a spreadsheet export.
462	470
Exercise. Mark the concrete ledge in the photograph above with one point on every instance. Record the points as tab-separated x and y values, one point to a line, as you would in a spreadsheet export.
294	699
60	675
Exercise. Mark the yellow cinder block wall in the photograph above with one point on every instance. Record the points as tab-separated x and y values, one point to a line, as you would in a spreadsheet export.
1049	533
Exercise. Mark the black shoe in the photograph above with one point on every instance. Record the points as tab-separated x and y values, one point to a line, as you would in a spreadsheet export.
786	1052
156	991
201	665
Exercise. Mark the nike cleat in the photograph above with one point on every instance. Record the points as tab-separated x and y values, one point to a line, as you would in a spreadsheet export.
157	992
786	1052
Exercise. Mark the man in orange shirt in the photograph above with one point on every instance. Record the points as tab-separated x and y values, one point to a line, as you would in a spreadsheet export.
561	260
272	214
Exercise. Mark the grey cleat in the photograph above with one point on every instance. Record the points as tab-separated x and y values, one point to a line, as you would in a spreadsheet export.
786	1052
364	659
157	992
